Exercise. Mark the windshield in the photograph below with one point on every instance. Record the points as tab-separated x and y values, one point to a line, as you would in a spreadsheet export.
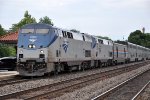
27	31
40	31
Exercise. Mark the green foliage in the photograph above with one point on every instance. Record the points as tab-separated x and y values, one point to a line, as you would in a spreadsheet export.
26	20
7	51
74	30
105	37
46	20
137	37
2	31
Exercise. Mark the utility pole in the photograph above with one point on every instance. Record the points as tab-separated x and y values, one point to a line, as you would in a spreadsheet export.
143	30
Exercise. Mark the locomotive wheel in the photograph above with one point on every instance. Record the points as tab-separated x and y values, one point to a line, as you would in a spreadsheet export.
106	64
99	64
58	68
83	66
70	69
56	71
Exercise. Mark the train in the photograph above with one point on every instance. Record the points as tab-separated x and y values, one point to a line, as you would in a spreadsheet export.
44	49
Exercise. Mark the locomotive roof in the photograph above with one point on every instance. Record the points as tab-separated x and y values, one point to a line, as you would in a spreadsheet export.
37	25
78	35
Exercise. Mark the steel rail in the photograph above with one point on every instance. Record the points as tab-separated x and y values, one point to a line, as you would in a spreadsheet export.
138	94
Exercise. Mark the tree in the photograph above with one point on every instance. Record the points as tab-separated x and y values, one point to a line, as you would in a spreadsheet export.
7	51
137	37
2	31
26	20
46	20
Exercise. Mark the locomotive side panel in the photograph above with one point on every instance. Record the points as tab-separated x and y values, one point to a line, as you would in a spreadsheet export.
105	51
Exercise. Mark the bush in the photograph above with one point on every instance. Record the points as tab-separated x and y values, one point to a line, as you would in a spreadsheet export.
7	51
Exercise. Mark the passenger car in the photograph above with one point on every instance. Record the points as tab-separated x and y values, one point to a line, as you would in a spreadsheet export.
8	63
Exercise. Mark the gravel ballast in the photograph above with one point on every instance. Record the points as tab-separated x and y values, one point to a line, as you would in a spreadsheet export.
95	89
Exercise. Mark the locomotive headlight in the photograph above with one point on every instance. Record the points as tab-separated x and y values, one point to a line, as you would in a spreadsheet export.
33	46
30	46
42	51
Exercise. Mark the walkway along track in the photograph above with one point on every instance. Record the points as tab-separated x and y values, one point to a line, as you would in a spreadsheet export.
18	79
13	80
127	90
58	89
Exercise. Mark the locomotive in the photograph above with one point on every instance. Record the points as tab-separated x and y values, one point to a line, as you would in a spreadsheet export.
43	49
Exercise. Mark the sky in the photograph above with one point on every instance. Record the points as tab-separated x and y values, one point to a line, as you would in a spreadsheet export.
112	18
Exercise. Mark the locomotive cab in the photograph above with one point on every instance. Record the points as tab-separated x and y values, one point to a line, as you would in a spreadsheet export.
33	43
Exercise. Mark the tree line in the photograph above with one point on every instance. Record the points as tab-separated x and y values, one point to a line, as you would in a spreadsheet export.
140	38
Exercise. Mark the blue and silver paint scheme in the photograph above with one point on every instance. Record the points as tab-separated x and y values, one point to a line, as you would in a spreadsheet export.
33	47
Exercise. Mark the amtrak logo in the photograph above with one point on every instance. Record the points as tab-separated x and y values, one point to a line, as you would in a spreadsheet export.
32	38
65	45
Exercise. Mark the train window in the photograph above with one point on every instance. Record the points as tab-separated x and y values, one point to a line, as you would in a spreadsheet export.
42	31
83	37
87	53
110	54
58	53
27	30
100	41
124	52
117	51
69	35
64	34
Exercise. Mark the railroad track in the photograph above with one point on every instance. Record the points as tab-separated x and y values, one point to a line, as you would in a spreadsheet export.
127	90
58	89
18	79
